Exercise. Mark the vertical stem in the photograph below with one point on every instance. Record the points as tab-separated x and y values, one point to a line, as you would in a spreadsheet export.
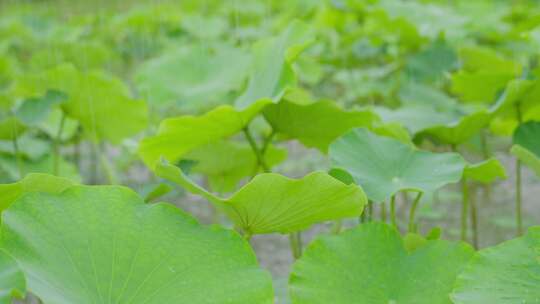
363	216
519	221
18	157
464	207
393	211
296	244
486	154
412	225
258	155
370	211
474	217
337	227
57	139
383	212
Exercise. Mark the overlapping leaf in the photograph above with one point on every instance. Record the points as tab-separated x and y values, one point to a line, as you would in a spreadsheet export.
383	166
316	124
370	264
104	244
35	182
527	145
459	131
274	203
485	172
226	163
504	274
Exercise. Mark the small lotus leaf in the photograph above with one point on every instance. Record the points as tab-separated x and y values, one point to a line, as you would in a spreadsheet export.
485	172
384	166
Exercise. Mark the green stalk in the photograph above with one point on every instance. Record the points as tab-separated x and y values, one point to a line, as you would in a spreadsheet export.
56	143
486	154
370	211
519	221
412	225
393	211
474	218
464	207
383	212
295	239
18	158
260	159
336	228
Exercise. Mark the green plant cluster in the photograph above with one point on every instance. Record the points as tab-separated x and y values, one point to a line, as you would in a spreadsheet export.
397	100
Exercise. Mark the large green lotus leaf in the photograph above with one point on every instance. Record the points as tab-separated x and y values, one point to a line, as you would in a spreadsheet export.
100	103
34	182
504	274
459	131
103	244
370	264
226	163
193	78
518	103
10	127
527	145
316	124
384	166
12	281
485	172
272	72
13	167
274	203
416	118
180	135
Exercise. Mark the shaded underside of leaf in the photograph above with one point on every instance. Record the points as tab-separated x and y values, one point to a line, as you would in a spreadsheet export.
180	135
485	172
316	124
274	203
